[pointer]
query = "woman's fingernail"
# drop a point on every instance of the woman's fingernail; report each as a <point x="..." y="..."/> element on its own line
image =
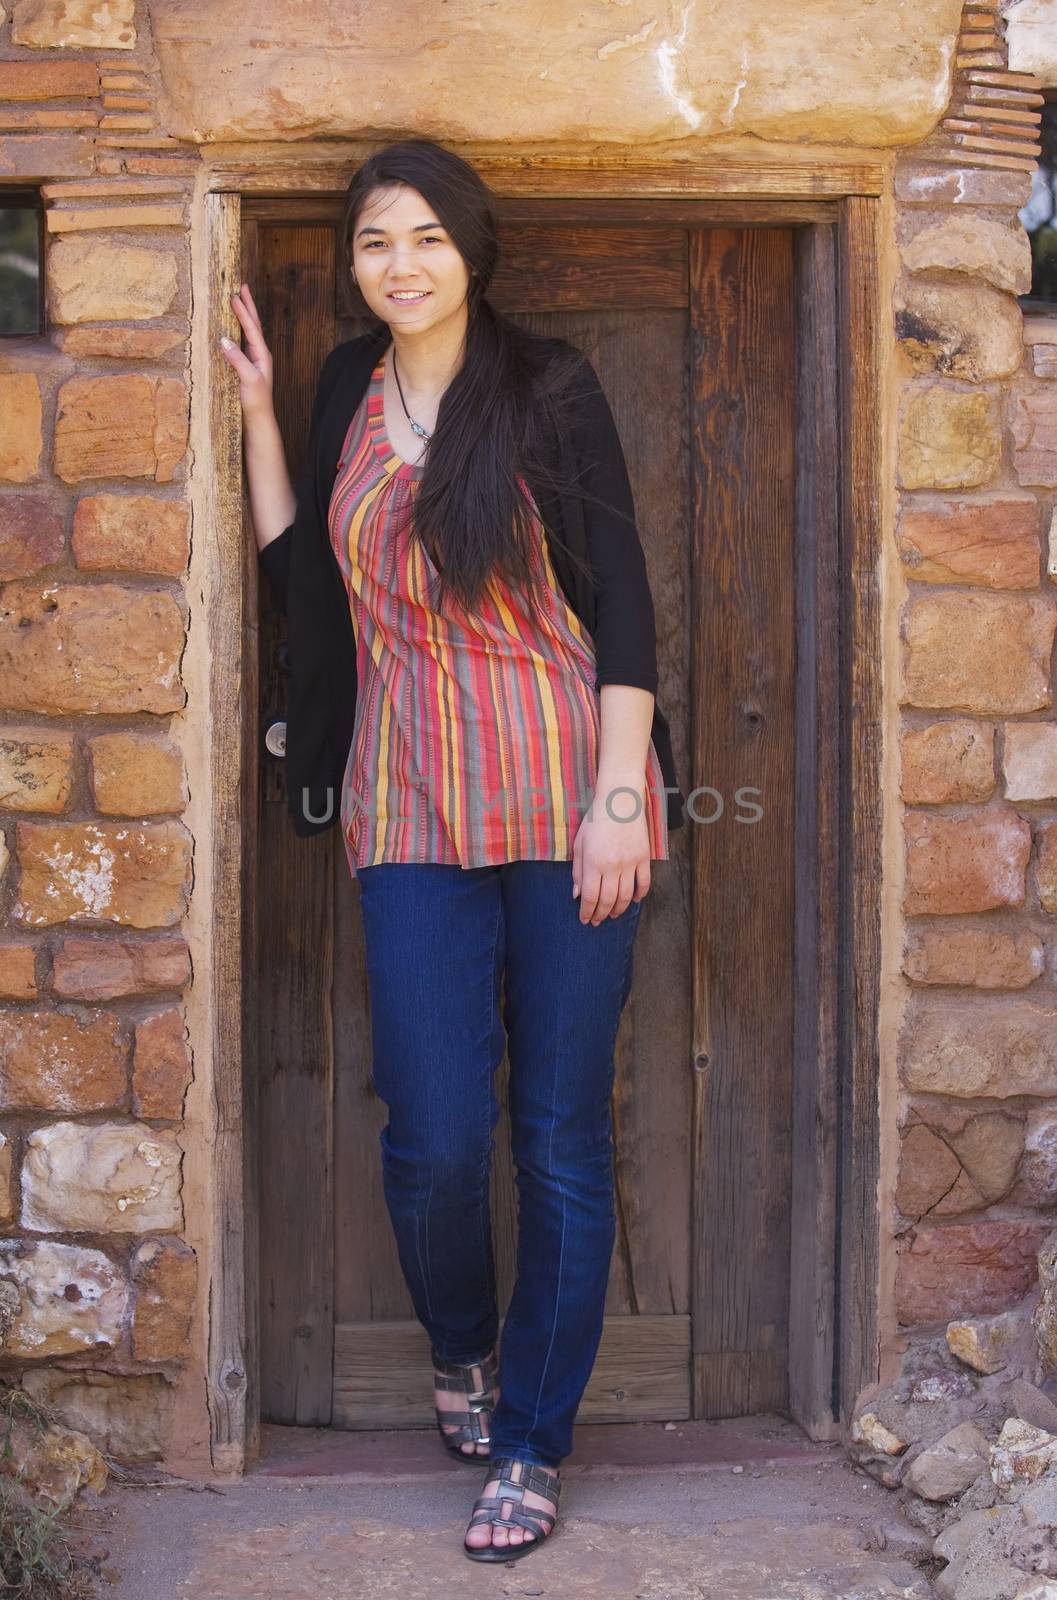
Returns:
<point x="225" y="341"/>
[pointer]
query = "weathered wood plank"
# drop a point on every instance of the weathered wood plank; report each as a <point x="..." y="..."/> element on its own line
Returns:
<point x="816" y="1056"/>
<point x="743" y="674"/>
<point x="383" y="1377"/>
<point x="818" y="175"/>
<point x="220" y="881"/>
<point x="861" y="713"/>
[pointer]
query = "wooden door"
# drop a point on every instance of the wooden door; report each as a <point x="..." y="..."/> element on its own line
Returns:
<point x="692" y="331"/>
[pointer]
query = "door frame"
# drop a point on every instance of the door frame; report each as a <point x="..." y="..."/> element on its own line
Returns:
<point x="834" y="1348"/>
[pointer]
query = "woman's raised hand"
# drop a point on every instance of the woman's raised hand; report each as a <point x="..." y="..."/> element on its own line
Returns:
<point x="254" y="364"/>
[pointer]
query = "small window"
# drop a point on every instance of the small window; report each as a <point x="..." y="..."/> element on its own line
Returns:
<point x="1039" y="216"/>
<point x="21" y="279"/>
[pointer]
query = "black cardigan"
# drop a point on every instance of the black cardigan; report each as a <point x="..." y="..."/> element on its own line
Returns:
<point x="617" y="610"/>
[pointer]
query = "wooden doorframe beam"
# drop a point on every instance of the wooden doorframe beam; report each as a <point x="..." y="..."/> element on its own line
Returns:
<point x="836" y="198"/>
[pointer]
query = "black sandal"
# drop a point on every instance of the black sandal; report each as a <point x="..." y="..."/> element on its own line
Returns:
<point x="476" y="1380"/>
<point x="506" y="1507"/>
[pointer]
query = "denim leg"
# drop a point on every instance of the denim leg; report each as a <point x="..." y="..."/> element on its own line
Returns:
<point x="434" y="945"/>
<point x="566" y="985"/>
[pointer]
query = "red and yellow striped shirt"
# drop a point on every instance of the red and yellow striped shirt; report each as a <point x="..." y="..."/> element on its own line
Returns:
<point x="476" y="735"/>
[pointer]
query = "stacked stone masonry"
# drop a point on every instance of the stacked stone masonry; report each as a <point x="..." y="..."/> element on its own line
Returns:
<point x="98" y="1287"/>
<point x="977" y="471"/>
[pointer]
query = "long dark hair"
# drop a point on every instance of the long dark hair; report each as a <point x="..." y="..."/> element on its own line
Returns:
<point x="513" y="390"/>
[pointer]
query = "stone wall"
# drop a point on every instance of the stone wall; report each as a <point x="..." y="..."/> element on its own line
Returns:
<point x="100" y="1280"/>
<point x="976" y="472"/>
<point x="106" y="1127"/>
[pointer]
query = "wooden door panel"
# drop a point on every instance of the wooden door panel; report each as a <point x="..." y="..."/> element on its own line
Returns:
<point x="338" y="1336"/>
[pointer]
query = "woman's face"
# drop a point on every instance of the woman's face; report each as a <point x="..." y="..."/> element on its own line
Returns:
<point x="408" y="269"/>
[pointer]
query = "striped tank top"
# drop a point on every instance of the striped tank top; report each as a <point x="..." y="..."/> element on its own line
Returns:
<point x="476" y="735"/>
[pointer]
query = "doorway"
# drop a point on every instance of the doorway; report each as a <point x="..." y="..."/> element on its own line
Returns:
<point x="718" y="341"/>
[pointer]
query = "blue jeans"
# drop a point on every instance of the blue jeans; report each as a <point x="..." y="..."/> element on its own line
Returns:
<point x="438" y="939"/>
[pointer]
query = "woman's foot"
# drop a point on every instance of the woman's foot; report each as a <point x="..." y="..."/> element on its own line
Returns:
<point x="455" y="1400"/>
<point x="496" y="1527"/>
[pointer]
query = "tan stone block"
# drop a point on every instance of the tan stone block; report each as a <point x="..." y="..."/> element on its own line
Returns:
<point x="1038" y="1167"/>
<point x="1030" y="760"/>
<point x="96" y="647"/>
<point x="989" y="1148"/>
<point x="122" y="344"/>
<point x="948" y="438"/>
<point x="978" y="958"/>
<point x="985" y="1343"/>
<point x="136" y="774"/>
<point x="997" y="252"/>
<point x="74" y="24"/>
<point x="165" y="1277"/>
<point x="969" y="1049"/>
<point x="129" y="1418"/>
<point x="965" y="1268"/>
<point x="1046" y="867"/>
<point x="924" y="183"/>
<point x="1029" y="35"/>
<point x="21" y="119"/>
<point x="124" y="187"/>
<point x="948" y="1467"/>
<point x="55" y="1061"/>
<point x="978" y="652"/>
<point x="959" y="864"/>
<point x="132" y="533"/>
<point x="18" y="970"/>
<point x="161" y="1065"/>
<point x="127" y="102"/>
<point x="71" y="1300"/>
<point x="133" y="121"/>
<point x="84" y="219"/>
<point x="107" y="968"/>
<point x="48" y="80"/>
<point x="947" y="762"/>
<point x="101" y="1177"/>
<point x="128" y="425"/>
<point x="36" y="769"/>
<point x="929" y="1173"/>
<point x="172" y="426"/>
<point x="628" y="75"/>
<point x="60" y="155"/>
<point x="100" y="280"/>
<point x="165" y="166"/>
<point x="960" y="330"/>
<point x="1035" y="436"/>
<point x="136" y="875"/>
<point x="21" y="426"/>
<point x="1021" y="1455"/>
<point x="123" y="80"/>
<point x="31" y="534"/>
<point x="1044" y="360"/>
<point x="989" y="541"/>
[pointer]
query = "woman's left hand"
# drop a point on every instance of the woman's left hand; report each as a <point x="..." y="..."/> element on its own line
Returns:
<point x="611" y="854"/>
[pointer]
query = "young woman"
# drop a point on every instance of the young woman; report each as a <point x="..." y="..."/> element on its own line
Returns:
<point x="472" y="679"/>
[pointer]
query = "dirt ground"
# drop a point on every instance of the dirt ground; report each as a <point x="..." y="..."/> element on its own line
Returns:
<point x="745" y="1510"/>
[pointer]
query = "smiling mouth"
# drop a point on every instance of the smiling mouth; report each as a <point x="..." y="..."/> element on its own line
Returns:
<point x="410" y="299"/>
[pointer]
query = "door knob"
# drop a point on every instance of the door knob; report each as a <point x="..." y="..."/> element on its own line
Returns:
<point x="275" y="738"/>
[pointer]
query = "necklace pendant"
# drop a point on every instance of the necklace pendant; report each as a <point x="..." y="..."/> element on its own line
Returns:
<point x="419" y="429"/>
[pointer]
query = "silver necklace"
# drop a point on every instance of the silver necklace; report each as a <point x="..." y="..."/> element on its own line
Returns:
<point x="416" y="426"/>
